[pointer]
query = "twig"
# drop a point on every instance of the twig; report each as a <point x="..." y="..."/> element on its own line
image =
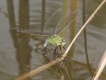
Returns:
<point x="100" y="66"/>
<point x="39" y="69"/>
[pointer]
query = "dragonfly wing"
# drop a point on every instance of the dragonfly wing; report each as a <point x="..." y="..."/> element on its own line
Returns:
<point x="49" y="27"/>
<point x="32" y="32"/>
<point x="52" y="22"/>
<point x="65" y="21"/>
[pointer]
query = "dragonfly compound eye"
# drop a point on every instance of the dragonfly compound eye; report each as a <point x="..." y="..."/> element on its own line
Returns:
<point x="45" y="43"/>
<point x="63" y="42"/>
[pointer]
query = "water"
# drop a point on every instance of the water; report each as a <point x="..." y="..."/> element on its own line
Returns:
<point x="20" y="53"/>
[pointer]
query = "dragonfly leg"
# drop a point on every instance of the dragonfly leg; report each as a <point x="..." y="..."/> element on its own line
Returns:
<point x="55" y="51"/>
<point x="60" y="47"/>
<point x="44" y="50"/>
<point x="63" y="47"/>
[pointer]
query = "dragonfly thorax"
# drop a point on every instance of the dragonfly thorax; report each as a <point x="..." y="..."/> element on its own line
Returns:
<point x="55" y="40"/>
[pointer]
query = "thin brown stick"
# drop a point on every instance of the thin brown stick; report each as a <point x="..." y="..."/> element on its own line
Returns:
<point x="39" y="69"/>
<point x="100" y="67"/>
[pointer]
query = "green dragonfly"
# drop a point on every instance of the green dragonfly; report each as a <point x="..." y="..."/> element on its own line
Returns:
<point x="60" y="26"/>
<point x="53" y="27"/>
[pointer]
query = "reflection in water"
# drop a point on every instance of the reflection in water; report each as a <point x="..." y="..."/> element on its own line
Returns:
<point x="24" y="14"/>
<point x="100" y="17"/>
<point x="61" y="69"/>
<point x="31" y="15"/>
<point x="10" y="9"/>
<point x="43" y="15"/>
<point x="85" y="39"/>
<point x="24" y="50"/>
<point x="21" y="41"/>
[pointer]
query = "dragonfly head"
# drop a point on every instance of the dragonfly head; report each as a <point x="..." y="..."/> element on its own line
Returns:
<point x="62" y="42"/>
<point x="45" y="43"/>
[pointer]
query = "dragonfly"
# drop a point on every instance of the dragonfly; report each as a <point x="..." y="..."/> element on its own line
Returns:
<point x="53" y="28"/>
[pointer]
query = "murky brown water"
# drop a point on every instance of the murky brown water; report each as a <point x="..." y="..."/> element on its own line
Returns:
<point x="20" y="53"/>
